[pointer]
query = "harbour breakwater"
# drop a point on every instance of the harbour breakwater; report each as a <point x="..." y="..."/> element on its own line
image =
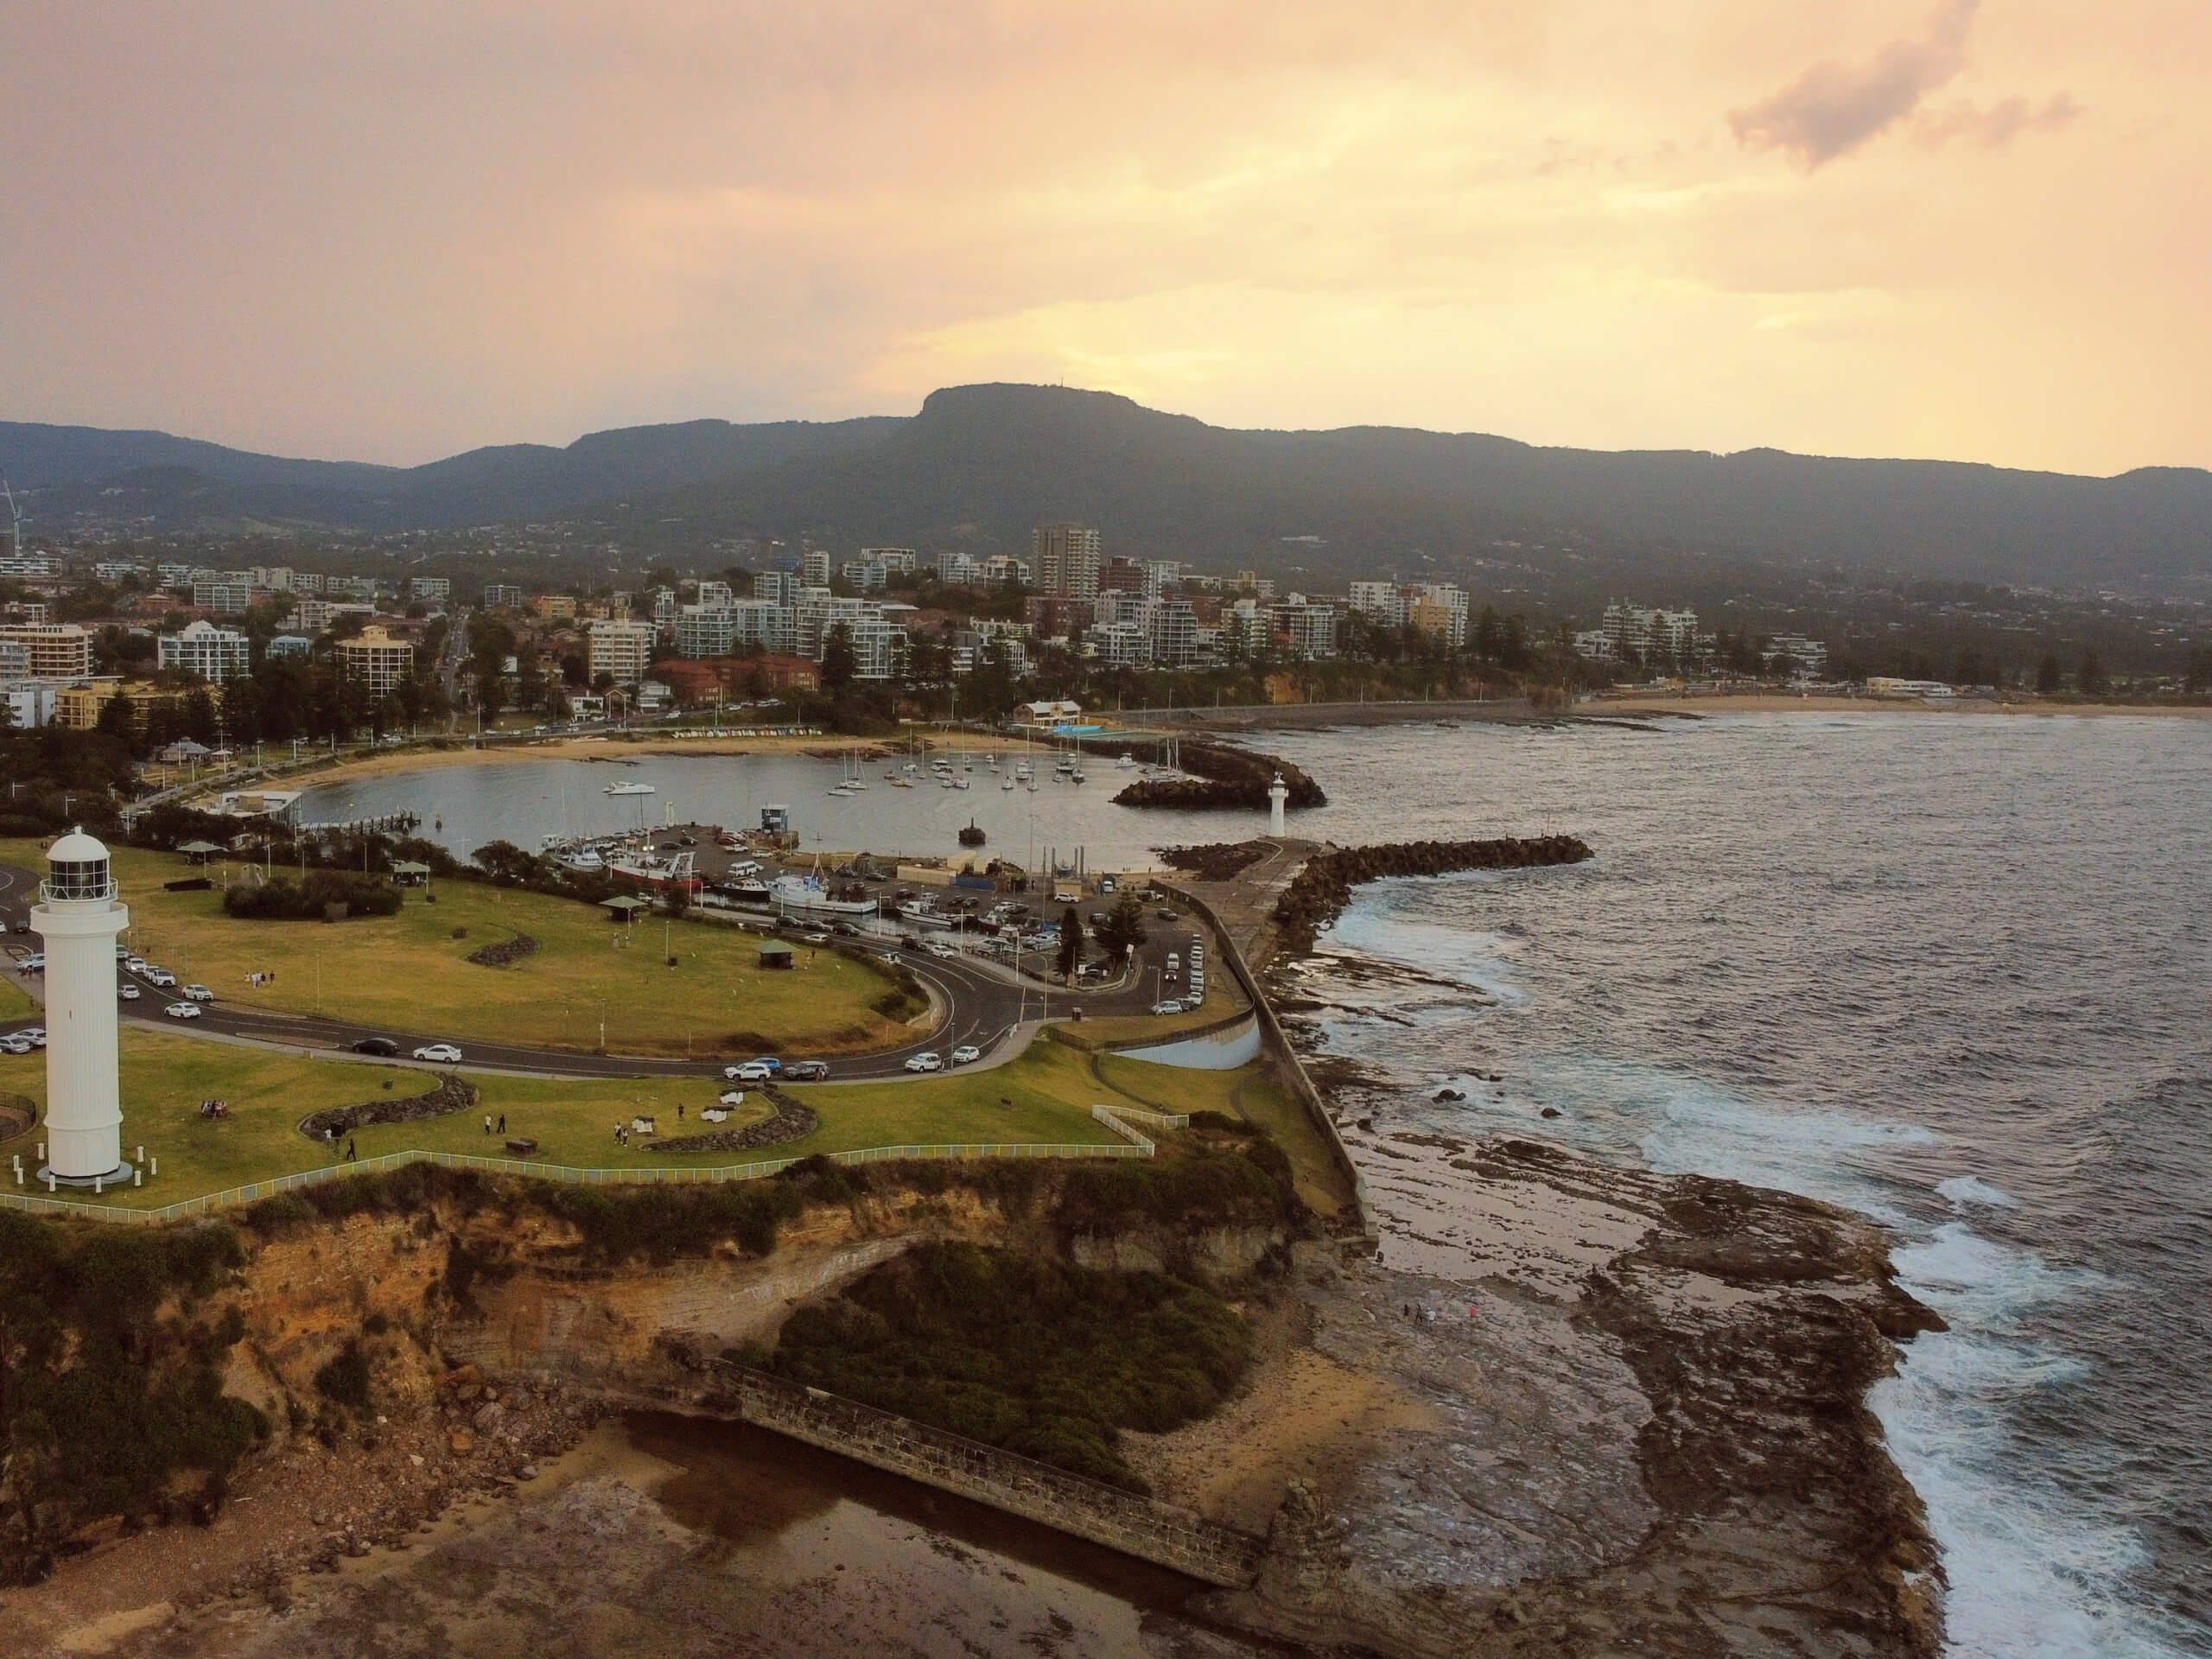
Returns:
<point x="1320" y="891"/>
<point x="1226" y="778"/>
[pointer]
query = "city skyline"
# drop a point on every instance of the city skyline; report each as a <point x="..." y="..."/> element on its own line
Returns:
<point x="1907" y="227"/>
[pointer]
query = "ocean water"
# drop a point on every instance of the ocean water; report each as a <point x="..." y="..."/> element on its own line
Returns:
<point x="1955" y="973"/>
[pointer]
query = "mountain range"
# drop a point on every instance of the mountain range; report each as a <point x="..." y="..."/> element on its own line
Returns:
<point x="978" y="466"/>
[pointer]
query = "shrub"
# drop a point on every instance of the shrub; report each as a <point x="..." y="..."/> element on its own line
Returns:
<point x="310" y="900"/>
<point x="1043" y="1359"/>
<point x="345" y="1379"/>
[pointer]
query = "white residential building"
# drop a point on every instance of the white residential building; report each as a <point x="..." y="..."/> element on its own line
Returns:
<point x="214" y="654"/>
<point x="225" y="595"/>
<point x="428" y="588"/>
<point x="1636" y="634"/>
<point x="374" y="660"/>
<point x="814" y="567"/>
<point x="1309" y="631"/>
<point x="502" y="596"/>
<point x="622" y="647"/>
<point x="714" y="593"/>
<point x="902" y="560"/>
<point x="706" y="631"/>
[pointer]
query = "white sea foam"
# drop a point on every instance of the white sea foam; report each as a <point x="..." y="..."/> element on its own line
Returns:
<point x="1964" y="1190"/>
<point x="2035" y="1574"/>
<point x="1483" y="961"/>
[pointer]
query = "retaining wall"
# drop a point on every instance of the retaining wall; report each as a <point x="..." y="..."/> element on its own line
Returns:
<point x="1141" y="1527"/>
<point x="1282" y="1059"/>
<point x="1220" y="1048"/>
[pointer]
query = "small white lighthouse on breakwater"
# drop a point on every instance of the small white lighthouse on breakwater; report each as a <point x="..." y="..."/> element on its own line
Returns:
<point x="1278" y="792"/>
<point x="79" y="914"/>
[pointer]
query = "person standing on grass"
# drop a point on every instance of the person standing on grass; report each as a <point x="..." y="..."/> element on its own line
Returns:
<point x="487" y="1122"/>
<point x="503" y="1122"/>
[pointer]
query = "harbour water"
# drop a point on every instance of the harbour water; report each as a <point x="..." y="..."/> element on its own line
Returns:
<point x="1950" y="971"/>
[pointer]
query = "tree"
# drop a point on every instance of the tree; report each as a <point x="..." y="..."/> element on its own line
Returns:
<point x="1070" y="943"/>
<point x="2090" y="682"/>
<point x="2049" y="678"/>
<point x="1123" y="930"/>
<point x="839" y="662"/>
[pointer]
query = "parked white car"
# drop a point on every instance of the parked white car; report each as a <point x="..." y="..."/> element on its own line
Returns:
<point x="160" y="976"/>
<point x="199" y="994"/>
<point x="443" y="1053"/>
<point x="32" y="965"/>
<point x="966" y="1054"/>
<point x="750" y="1072"/>
<point x="925" y="1062"/>
<point x="129" y="992"/>
<point x="1167" y="1008"/>
<point x="182" y="1010"/>
<point x="14" y="1045"/>
<point x="34" y="1035"/>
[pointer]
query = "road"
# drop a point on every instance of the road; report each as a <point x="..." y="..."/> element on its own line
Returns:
<point x="976" y="1004"/>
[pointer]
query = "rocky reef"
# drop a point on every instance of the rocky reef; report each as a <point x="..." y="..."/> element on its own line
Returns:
<point x="1226" y="778"/>
<point x="1323" y="888"/>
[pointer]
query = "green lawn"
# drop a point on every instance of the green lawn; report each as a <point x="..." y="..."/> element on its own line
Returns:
<point x="408" y="972"/>
<point x="14" y="1002"/>
<point x="1043" y="1097"/>
<point x="1247" y="1092"/>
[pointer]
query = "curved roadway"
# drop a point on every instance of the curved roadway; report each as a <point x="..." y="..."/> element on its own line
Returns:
<point x="974" y="1005"/>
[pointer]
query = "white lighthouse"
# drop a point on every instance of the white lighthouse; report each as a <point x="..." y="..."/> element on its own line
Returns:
<point x="78" y="915"/>
<point x="1277" y="794"/>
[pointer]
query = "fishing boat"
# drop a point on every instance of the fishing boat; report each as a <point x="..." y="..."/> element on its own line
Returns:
<point x="582" y="861"/>
<point x="651" y="869"/>
<point x="924" y="913"/>
<point x="1127" y="762"/>
<point x="1006" y="783"/>
<point x="960" y="783"/>
<point x="628" y="789"/>
<point x="1075" y="776"/>
<point x="806" y="895"/>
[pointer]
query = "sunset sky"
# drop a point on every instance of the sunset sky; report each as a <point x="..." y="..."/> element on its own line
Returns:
<point x="391" y="230"/>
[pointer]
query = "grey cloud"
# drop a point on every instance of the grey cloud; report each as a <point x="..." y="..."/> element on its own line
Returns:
<point x="1998" y="125"/>
<point x="1834" y="107"/>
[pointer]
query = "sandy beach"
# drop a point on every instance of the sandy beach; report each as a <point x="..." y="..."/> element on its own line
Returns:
<point x="622" y="748"/>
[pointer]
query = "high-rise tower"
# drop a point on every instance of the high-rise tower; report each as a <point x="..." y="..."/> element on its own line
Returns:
<point x="79" y="914"/>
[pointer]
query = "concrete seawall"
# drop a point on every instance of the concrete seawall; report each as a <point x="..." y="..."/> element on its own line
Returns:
<point x="1141" y="1527"/>
<point x="1274" y="1047"/>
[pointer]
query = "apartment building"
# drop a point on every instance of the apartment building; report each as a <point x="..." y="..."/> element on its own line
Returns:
<point x="902" y="560"/>
<point x="814" y="567"/>
<point x="216" y="655"/>
<point x="314" y="616"/>
<point x="622" y="647"/>
<point x="227" y="594"/>
<point x="436" y="589"/>
<point x="1306" y="631"/>
<point x="706" y="631"/>
<point x="376" y="660"/>
<point x="54" y="651"/>
<point x="1065" y="558"/>
<point x="79" y="708"/>
<point x="502" y="596"/>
